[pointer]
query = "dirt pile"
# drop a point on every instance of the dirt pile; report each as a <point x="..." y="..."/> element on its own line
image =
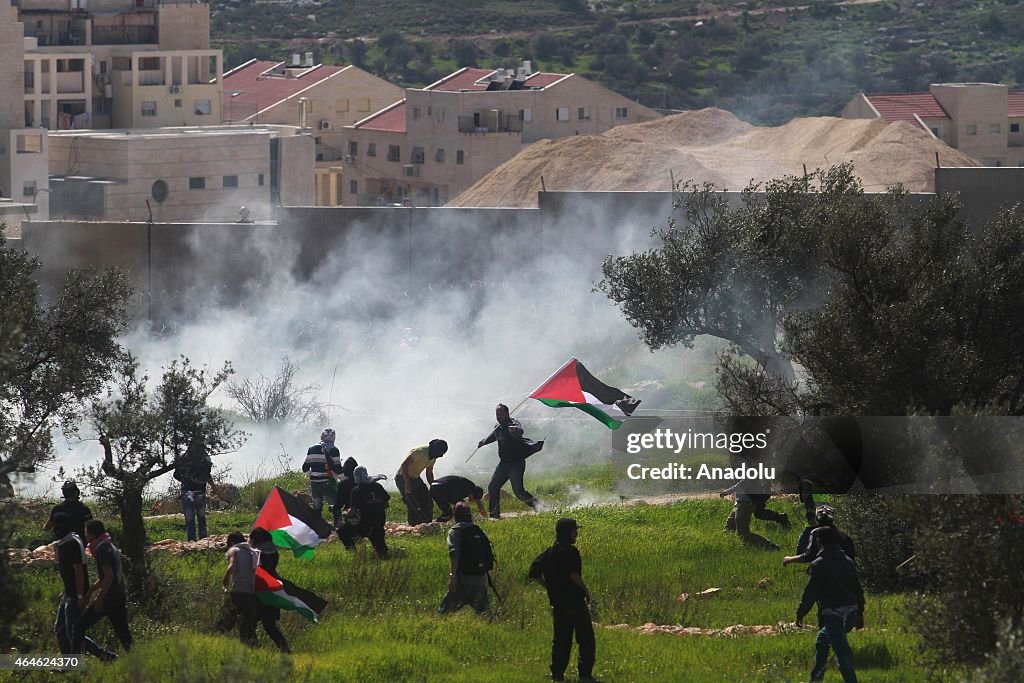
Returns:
<point x="726" y="632"/>
<point x="712" y="145"/>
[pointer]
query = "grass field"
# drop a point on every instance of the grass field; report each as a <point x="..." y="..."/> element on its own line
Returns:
<point x="381" y="623"/>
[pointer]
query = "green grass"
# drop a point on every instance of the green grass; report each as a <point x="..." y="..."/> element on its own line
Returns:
<point x="381" y="625"/>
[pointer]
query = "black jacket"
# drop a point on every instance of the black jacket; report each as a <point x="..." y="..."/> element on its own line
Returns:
<point x="512" y="445"/>
<point x="833" y="582"/>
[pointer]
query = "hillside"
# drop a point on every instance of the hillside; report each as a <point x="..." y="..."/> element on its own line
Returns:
<point x="714" y="146"/>
<point x="766" y="60"/>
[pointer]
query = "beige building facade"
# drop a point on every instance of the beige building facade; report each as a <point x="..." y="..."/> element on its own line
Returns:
<point x="184" y="174"/>
<point x="119" y="63"/>
<point x="439" y="140"/>
<point x="982" y="120"/>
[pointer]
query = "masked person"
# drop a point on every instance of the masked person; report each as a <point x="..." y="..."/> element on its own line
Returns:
<point x="110" y="591"/>
<point x="194" y="471"/>
<point x="74" y="574"/>
<point x="367" y="512"/>
<point x="809" y="545"/>
<point x="419" y="508"/>
<point x="322" y="464"/>
<point x="513" y="450"/>
<point x="76" y="511"/>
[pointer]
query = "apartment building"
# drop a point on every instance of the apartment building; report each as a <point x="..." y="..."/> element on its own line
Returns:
<point x="187" y="174"/>
<point x="439" y="140"/>
<point x="982" y="120"/>
<point x="119" y="64"/>
<point x="302" y="93"/>
<point x="23" y="151"/>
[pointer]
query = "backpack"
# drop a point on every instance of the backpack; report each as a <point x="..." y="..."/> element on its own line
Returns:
<point x="476" y="556"/>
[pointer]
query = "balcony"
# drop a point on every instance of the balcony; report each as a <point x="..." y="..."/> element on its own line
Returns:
<point x="492" y="121"/>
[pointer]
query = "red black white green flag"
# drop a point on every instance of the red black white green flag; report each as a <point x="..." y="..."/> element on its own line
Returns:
<point x="573" y="386"/>
<point x="284" y="594"/>
<point x="292" y="524"/>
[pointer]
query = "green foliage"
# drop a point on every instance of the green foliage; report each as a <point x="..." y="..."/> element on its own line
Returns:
<point x="884" y="538"/>
<point x="381" y="625"/>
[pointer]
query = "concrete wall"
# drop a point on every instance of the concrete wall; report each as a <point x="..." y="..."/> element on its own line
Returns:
<point x="979" y="118"/>
<point x="184" y="26"/>
<point x="23" y="166"/>
<point x="12" y="73"/>
<point x="984" y="191"/>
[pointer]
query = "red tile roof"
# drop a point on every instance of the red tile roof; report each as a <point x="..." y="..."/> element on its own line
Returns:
<point x="247" y="88"/>
<point x="542" y="80"/>
<point x="902" y="107"/>
<point x="1015" y="103"/>
<point x="388" y="120"/>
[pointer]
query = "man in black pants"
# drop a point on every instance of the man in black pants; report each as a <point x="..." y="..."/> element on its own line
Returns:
<point x="109" y="589"/>
<point x="366" y="514"/>
<point x="242" y="606"/>
<point x="559" y="570"/>
<point x="513" y="450"/>
<point x="75" y="575"/>
<point x="260" y="540"/>
<point x="447" y="491"/>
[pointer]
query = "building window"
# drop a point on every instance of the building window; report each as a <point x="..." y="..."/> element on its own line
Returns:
<point x="363" y="104"/>
<point x="353" y="187"/>
<point x="30" y="144"/>
<point x="526" y="115"/>
<point x="621" y="113"/>
<point x="371" y="149"/>
<point x="562" y="114"/>
<point x="971" y="129"/>
<point x="197" y="183"/>
<point x="341" y="105"/>
<point x="583" y="114"/>
<point x="415" y="113"/>
<point x="179" y="103"/>
<point x="28" y="188"/>
<point x="937" y="132"/>
<point x="1014" y="127"/>
<point x="459" y="157"/>
<point x="230" y="181"/>
<point x="259" y="180"/>
<point x="149" y="108"/>
<point x="394" y="153"/>
<point x="203" y="107"/>
<point x="995" y="128"/>
<point x="418" y="155"/>
<point x="353" y="147"/>
<point x="149" y="64"/>
<point x="439" y="155"/>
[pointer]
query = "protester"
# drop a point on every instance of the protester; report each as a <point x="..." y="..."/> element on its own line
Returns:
<point x="77" y="512"/>
<point x="446" y="491"/>
<point x="74" y="574"/>
<point x="835" y="587"/>
<point x="808" y="545"/>
<point x="751" y="497"/>
<point x="268" y="557"/>
<point x="194" y="471"/>
<point x="110" y="591"/>
<point x="513" y="450"/>
<point x="419" y="508"/>
<point x="345" y="486"/>
<point x="239" y="582"/>
<point x="367" y="512"/>
<point x="470" y="556"/>
<point x="322" y="463"/>
<point x="559" y="569"/>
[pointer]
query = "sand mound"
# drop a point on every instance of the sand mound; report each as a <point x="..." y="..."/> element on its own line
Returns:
<point x="714" y="146"/>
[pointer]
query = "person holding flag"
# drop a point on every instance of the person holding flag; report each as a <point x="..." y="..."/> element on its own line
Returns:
<point x="513" y="450"/>
<point x="323" y="464"/>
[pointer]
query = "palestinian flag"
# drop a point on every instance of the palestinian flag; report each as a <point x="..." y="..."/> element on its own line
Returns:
<point x="292" y="524"/>
<point x="574" y="387"/>
<point x="284" y="594"/>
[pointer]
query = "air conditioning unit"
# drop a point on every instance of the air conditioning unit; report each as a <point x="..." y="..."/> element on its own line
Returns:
<point x="325" y="125"/>
<point x="411" y="170"/>
<point x="349" y="159"/>
<point x="175" y="89"/>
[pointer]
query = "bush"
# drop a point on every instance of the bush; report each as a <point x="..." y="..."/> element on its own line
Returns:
<point x="883" y="537"/>
<point x="1006" y="664"/>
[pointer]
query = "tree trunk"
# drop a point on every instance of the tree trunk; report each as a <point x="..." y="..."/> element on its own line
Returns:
<point x="133" y="539"/>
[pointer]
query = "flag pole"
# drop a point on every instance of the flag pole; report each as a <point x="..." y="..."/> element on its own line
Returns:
<point x="520" y="404"/>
